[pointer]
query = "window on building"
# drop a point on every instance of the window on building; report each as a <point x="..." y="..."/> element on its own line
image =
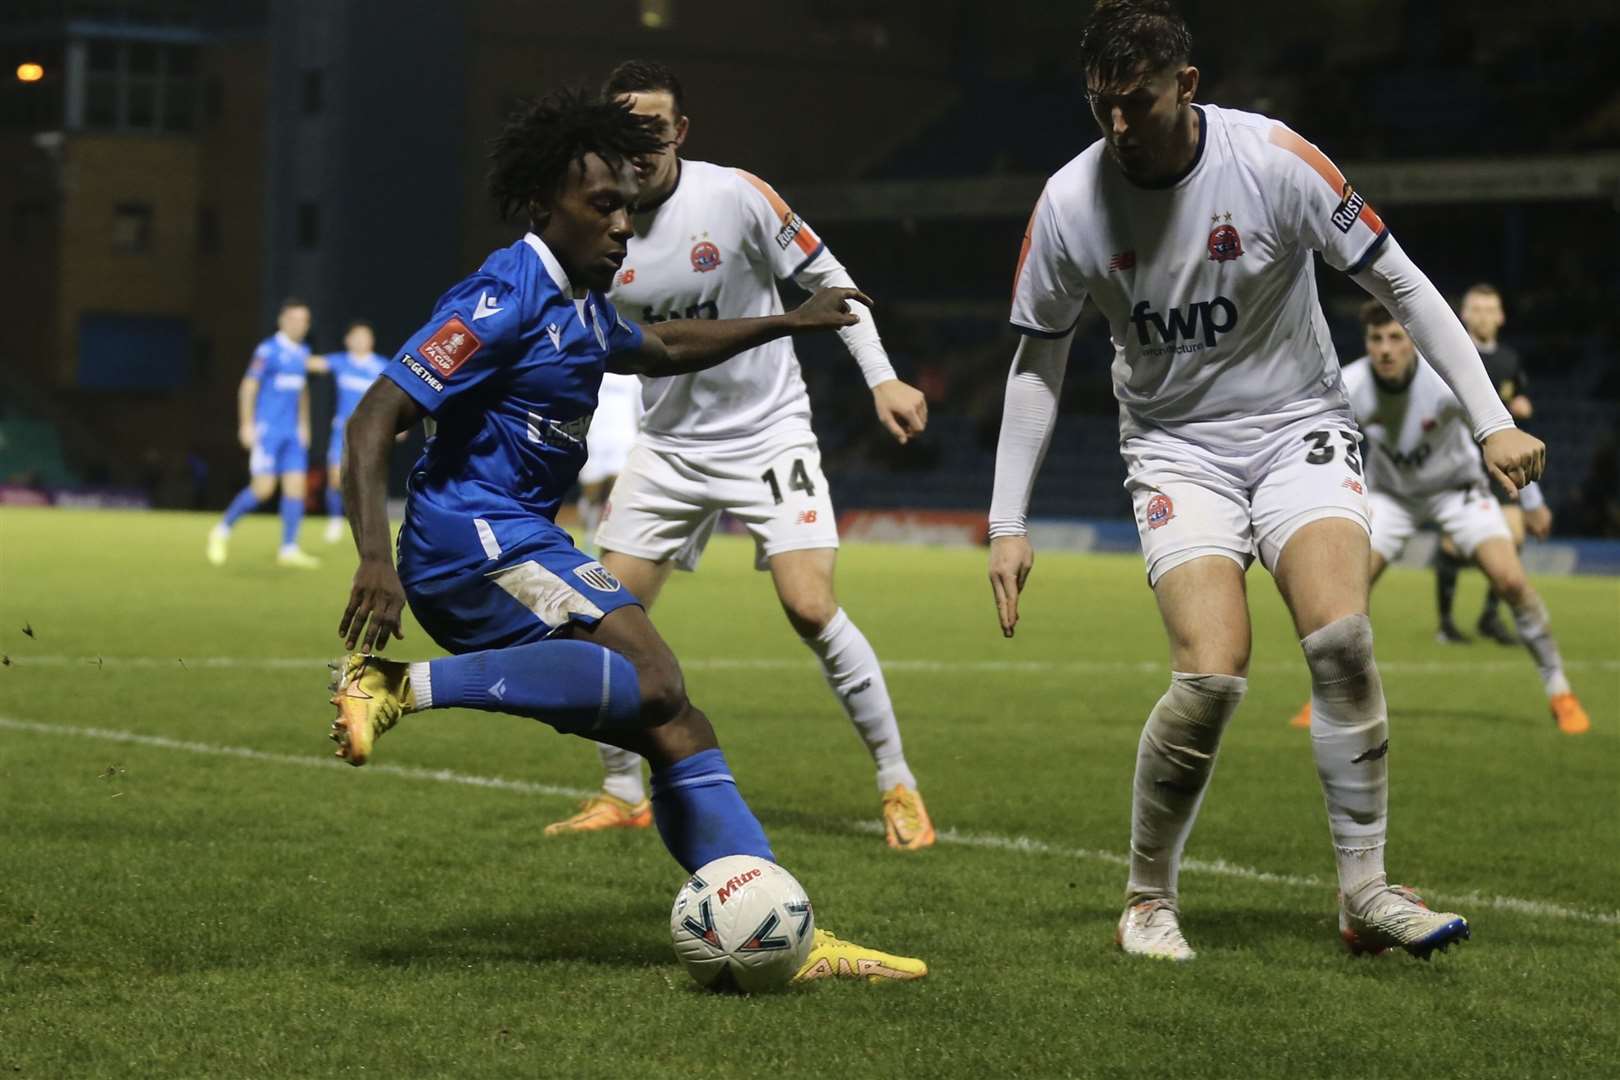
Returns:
<point x="140" y="86"/>
<point x="132" y="228"/>
<point x="309" y="226"/>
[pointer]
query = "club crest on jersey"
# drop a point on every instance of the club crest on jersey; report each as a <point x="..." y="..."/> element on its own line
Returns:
<point x="450" y="346"/>
<point x="1160" y="511"/>
<point x="598" y="577"/>
<point x="1224" y="244"/>
<point x="705" y="257"/>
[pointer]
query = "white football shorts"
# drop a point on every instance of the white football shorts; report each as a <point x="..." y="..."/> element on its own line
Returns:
<point x="1193" y="500"/>
<point x="1469" y="516"/>
<point x="665" y="504"/>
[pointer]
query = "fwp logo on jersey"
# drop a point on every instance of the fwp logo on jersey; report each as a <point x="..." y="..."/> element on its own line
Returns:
<point x="450" y="346"/>
<point x="1185" y="329"/>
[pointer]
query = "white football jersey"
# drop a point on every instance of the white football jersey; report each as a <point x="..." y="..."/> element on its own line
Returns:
<point x="714" y="249"/>
<point x="1419" y="441"/>
<point x="1206" y="281"/>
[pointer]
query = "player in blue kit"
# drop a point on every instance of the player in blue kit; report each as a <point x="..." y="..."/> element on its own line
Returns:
<point x="506" y="373"/>
<point x="273" y="426"/>
<point x="353" y="371"/>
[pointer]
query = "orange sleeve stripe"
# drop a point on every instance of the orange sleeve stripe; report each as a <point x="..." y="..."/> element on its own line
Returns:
<point x="1023" y="250"/>
<point x="1329" y="172"/>
<point x="806" y="238"/>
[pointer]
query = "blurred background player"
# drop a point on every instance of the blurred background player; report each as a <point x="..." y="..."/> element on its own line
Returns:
<point x="508" y="368"/>
<point x="353" y="371"/>
<point x="1423" y="468"/>
<point x="613" y="430"/>
<point x="273" y="426"/>
<point x="1193" y="229"/>
<point x="1481" y="312"/>
<point x="711" y="243"/>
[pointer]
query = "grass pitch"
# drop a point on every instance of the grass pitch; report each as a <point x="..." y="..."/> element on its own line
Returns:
<point x="190" y="886"/>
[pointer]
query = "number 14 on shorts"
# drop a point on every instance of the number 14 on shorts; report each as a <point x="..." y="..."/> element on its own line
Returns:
<point x="798" y="480"/>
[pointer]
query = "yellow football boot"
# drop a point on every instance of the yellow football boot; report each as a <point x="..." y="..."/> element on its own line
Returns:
<point x="905" y="819"/>
<point x="1572" y="719"/>
<point x="835" y="958"/>
<point x="371" y="695"/>
<point x="604" y="811"/>
<point x="1302" y="719"/>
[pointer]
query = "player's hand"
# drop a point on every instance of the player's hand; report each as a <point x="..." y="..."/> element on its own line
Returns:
<point x="303" y="437"/>
<point x="1514" y="458"/>
<point x="1538" y="522"/>
<point x="828" y="309"/>
<point x="376" y="596"/>
<point x="245" y="435"/>
<point x="902" y="409"/>
<point x="1011" y="558"/>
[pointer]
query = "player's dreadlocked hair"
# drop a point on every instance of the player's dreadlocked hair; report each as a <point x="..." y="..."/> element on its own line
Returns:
<point x="1124" y="36"/>
<point x="531" y="157"/>
<point x="644" y="76"/>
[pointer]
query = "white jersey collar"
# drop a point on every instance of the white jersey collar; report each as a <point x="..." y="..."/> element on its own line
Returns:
<point x="553" y="267"/>
<point x="284" y="341"/>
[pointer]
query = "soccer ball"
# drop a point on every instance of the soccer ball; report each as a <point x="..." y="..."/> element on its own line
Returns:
<point x="743" y="924"/>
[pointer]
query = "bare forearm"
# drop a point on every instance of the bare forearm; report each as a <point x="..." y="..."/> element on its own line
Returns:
<point x="367" y="444"/>
<point x="695" y="344"/>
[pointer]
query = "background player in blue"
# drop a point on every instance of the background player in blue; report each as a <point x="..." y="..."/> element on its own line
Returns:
<point x="507" y="373"/>
<point x="273" y="425"/>
<point x="353" y="371"/>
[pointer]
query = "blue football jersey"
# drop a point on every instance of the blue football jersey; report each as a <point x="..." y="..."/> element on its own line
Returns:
<point x="281" y="366"/>
<point x="353" y="376"/>
<point x="509" y="368"/>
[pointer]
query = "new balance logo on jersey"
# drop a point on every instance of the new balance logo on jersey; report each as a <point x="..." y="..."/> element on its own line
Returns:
<point x="485" y="309"/>
<point x="1349" y="208"/>
<point x="1197" y="324"/>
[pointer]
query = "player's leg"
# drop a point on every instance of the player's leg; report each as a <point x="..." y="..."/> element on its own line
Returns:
<point x="261" y="485"/>
<point x="804" y="585"/>
<point x="1312" y="526"/>
<point x="592" y="495"/>
<point x="1490" y="617"/>
<point x="293" y="487"/>
<point x="1192" y="515"/>
<point x="1499" y="559"/>
<point x="335" y="529"/>
<point x="653" y="516"/>
<point x="1448" y="564"/>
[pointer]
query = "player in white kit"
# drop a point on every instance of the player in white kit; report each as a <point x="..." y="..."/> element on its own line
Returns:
<point x="613" y="432"/>
<point x="711" y="242"/>
<point x="1423" y="468"/>
<point x="1193" y="229"/>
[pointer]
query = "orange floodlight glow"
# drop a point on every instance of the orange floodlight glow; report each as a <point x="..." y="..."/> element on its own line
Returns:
<point x="30" y="72"/>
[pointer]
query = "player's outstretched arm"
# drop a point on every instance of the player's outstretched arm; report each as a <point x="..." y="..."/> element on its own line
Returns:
<point x="681" y="346"/>
<point x="1513" y="457"/>
<point x="1027" y="420"/>
<point x="376" y="599"/>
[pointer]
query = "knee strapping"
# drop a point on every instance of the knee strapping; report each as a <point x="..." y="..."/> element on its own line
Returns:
<point x="1185" y="727"/>
<point x="1340" y="657"/>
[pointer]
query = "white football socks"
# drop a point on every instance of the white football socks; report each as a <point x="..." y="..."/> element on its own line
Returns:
<point x="1350" y="739"/>
<point x="851" y="669"/>
<point x="621" y="773"/>
<point x="1531" y="619"/>
<point x="1174" y="760"/>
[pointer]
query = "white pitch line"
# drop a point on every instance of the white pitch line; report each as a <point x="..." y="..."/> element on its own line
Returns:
<point x="1024" y="845"/>
<point x="285" y="663"/>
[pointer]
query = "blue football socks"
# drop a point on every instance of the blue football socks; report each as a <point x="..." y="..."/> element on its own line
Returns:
<point x="245" y="500"/>
<point x="701" y="814"/>
<point x="292" y="516"/>
<point x="574" y="686"/>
